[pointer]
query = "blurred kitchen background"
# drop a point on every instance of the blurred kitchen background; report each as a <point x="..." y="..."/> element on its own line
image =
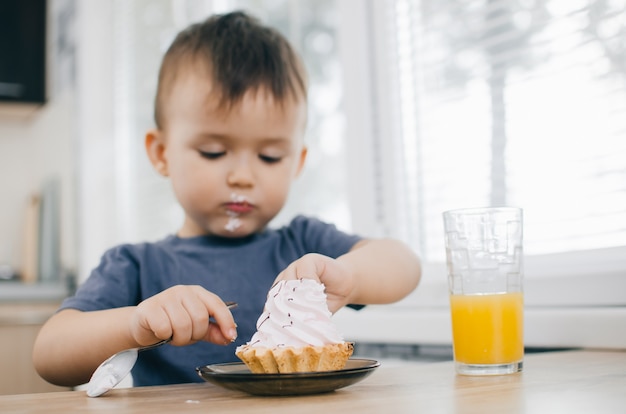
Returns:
<point x="416" y="107"/>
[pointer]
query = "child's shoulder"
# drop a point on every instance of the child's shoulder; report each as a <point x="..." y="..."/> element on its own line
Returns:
<point x="305" y="224"/>
<point x="318" y="235"/>
<point x="302" y="222"/>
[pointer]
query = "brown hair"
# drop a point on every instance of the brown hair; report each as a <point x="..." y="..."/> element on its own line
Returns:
<point x="240" y="54"/>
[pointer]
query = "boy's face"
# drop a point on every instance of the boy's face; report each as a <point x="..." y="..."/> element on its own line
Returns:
<point x="231" y="170"/>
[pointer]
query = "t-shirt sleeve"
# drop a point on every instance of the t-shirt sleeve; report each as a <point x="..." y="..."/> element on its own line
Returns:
<point x="112" y="284"/>
<point x="324" y="238"/>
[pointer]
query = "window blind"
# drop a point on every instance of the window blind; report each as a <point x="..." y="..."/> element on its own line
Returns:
<point x="510" y="103"/>
<point x="427" y="104"/>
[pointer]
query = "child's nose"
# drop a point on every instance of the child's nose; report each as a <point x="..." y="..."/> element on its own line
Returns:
<point x="241" y="174"/>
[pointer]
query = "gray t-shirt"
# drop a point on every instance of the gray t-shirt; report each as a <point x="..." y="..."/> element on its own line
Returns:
<point x="240" y="270"/>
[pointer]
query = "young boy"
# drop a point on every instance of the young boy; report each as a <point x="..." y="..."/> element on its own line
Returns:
<point x="230" y="119"/>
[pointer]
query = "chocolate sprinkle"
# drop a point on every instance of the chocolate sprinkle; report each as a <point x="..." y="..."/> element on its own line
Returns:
<point x="262" y="322"/>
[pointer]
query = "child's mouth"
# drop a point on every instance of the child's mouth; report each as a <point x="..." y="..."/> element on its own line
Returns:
<point x="239" y="207"/>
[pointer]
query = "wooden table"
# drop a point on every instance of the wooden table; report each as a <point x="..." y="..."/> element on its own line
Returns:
<point x="555" y="382"/>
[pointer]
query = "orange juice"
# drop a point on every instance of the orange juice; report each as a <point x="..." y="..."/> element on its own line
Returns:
<point x="488" y="329"/>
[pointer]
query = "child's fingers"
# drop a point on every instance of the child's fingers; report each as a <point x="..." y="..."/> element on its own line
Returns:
<point x="198" y="319"/>
<point x="307" y="267"/>
<point x="182" y="313"/>
<point x="183" y="323"/>
<point x="150" y="321"/>
<point x="226" y="323"/>
<point x="216" y="336"/>
<point x="224" y="320"/>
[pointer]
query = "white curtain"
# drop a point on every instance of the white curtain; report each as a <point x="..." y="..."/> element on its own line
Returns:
<point x="466" y="103"/>
<point x="501" y="102"/>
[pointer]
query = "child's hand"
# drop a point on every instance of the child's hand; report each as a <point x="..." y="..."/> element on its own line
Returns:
<point x="334" y="274"/>
<point x="182" y="313"/>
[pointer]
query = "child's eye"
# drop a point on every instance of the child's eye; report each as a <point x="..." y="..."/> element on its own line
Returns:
<point x="212" y="155"/>
<point x="269" y="159"/>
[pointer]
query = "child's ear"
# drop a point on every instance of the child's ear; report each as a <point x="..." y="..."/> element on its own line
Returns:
<point x="301" y="161"/>
<point x="155" y="148"/>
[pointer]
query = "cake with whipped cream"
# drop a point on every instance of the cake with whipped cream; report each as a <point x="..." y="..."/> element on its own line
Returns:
<point x="295" y="332"/>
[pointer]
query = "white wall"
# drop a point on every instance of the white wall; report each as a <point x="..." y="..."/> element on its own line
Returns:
<point x="32" y="150"/>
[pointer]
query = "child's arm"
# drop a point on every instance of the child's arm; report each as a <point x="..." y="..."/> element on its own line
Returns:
<point x="385" y="271"/>
<point x="72" y="344"/>
<point x="373" y="271"/>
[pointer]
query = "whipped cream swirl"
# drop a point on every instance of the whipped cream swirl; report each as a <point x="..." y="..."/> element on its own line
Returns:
<point x="296" y="314"/>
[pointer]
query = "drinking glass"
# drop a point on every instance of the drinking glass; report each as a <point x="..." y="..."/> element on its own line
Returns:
<point x="484" y="258"/>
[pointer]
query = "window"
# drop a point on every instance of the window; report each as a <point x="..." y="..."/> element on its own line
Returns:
<point x="521" y="103"/>
<point x="504" y="102"/>
<point x="496" y="102"/>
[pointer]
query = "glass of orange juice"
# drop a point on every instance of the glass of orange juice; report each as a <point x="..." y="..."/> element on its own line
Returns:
<point x="484" y="257"/>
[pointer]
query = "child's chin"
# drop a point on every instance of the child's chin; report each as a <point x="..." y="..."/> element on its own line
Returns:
<point x="238" y="231"/>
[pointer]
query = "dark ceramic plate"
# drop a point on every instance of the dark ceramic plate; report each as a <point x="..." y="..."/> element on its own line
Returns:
<point x="236" y="376"/>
